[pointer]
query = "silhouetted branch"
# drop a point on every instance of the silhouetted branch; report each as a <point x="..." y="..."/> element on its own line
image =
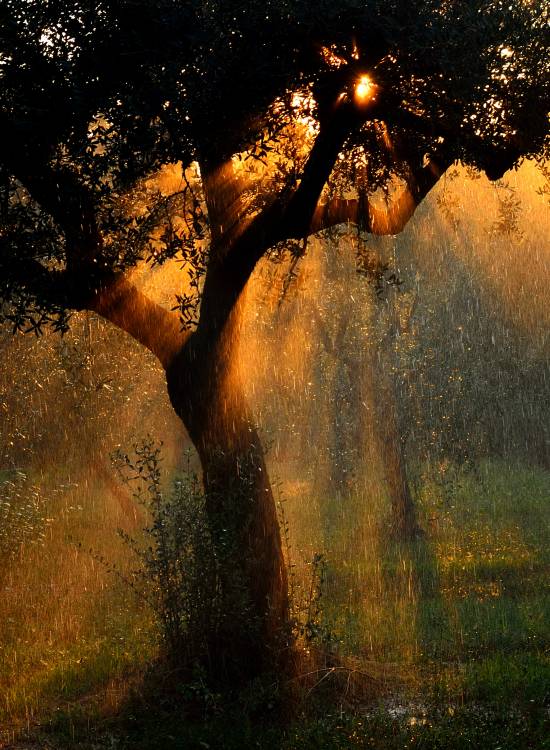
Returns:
<point x="117" y="300"/>
<point x="373" y="219"/>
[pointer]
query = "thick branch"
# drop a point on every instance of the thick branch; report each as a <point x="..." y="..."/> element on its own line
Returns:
<point x="153" y="326"/>
<point x="393" y="218"/>
<point x="328" y="144"/>
<point x="375" y="220"/>
<point x="72" y="207"/>
<point x="47" y="286"/>
<point x="118" y="301"/>
<point x="230" y="269"/>
<point x="244" y="244"/>
<point x="223" y="190"/>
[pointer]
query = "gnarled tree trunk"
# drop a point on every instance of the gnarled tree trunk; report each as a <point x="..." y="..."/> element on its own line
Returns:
<point x="204" y="385"/>
<point x="205" y="390"/>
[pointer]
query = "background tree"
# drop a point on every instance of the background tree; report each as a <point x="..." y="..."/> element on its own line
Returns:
<point x="97" y="96"/>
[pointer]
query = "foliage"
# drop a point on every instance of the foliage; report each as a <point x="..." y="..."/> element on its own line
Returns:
<point x="58" y="393"/>
<point x="98" y="97"/>
<point x="181" y="574"/>
<point x="178" y="572"/>
<point x="470" y="383"/>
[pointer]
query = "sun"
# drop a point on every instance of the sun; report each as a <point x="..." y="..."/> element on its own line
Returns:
<point x="364" y="89"/>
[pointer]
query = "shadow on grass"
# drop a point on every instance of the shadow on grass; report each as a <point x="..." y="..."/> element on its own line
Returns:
<point x="412" y="581"/>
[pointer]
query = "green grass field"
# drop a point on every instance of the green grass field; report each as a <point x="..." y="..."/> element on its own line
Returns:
<point x="442" y="642"/>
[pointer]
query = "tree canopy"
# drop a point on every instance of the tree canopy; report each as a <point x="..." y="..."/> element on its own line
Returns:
<point x="97" y="96"/>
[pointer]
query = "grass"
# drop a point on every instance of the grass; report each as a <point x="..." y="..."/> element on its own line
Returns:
<point x="473" y="590"/>
<point x="69" y="628"/>
<point x="447" y="729"/>
<point x="455" y="626"/>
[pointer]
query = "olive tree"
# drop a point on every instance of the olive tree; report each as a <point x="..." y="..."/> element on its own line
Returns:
<point x="331" y="103"/>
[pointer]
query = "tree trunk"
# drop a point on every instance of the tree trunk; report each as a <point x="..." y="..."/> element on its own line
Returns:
<point x="390" y="431"/>
<point x="206" y="391"/>
<point x="404" y="521"/>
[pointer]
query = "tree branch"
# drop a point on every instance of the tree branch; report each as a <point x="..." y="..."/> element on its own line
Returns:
<point x="117" y="300"/>
<point x="230" y="266"/>
<point x="237" y="246"/>
<point x="82" y="285"/>
<point x="300" y="209"/>
<point x="375" y="220"/>
<point x="156" y="328"/>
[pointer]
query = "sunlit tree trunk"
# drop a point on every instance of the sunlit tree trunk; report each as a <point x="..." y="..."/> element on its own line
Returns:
<point x="205" y="388"/>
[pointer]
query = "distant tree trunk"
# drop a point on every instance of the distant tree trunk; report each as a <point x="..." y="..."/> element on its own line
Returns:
<point x="344" y="418"/>
<point x="404" y="520"/>
<point x="391" y="433"/>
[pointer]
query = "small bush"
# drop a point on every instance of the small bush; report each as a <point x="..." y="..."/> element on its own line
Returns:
<point x="189" y="574"/>
<point x="178" y="573"/>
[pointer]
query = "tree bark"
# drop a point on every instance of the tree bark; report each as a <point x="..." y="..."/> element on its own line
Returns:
<point x="206" y="392"/>
<point x="391" y="434"/>
<point x="202" y="369"/>
<point x="403" y="513"/>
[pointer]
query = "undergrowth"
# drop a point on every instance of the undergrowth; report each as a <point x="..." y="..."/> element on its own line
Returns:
<point x="465" y="604"/>
<point x="183" y="566"/>
<point x="177" y="571"/>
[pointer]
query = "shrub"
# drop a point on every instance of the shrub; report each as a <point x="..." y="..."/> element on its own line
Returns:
<point x="189" y="573"/>
<point x="178" y="571"/>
